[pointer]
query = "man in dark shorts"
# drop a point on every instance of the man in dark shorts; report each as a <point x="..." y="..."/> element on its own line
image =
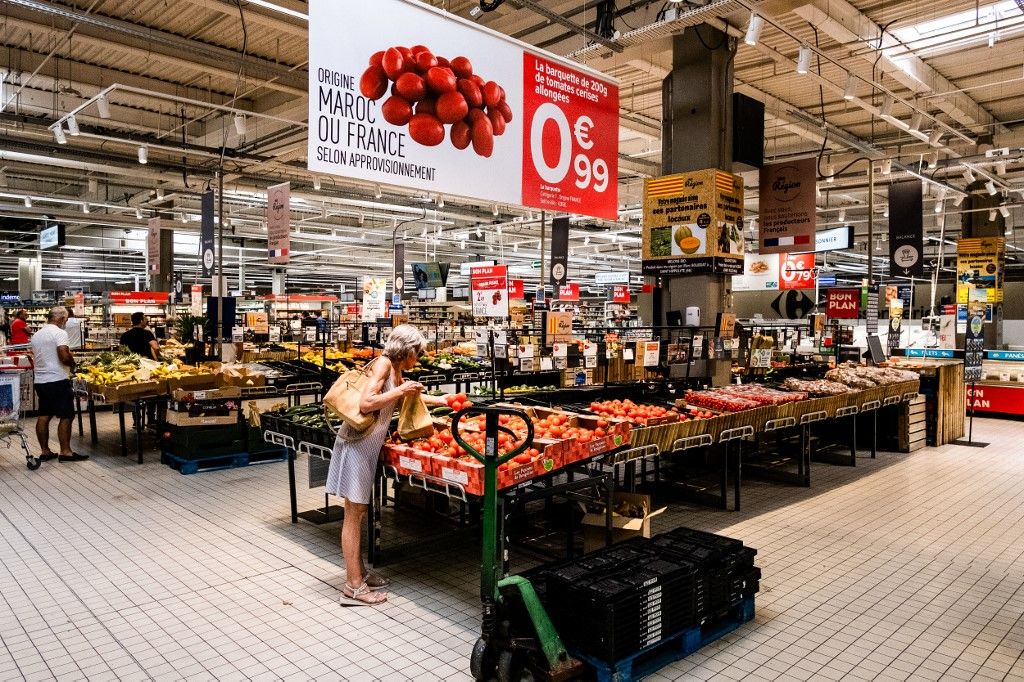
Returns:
<point x="51" y="356"/>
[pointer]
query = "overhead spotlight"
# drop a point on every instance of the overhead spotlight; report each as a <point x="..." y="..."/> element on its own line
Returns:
<point x="991" y="187"/>
<point x="969" y="176"/>
<point x="159" y="194"/>
<point x="182" y="218"/>
<point x="138" y="213"/>
<point x="851" y="85"/>
<point x="586" y="240"/>
<point x="754" y="29"/>
<point x="621" y="247"/>
<point x="73" y="125"/>
<point x="241" y="126"/>
<point x="376" y="192"/>
<point x="462" y="245"/>
<point x="842" y="215"/>
<point x="933" y="160"/>
<point x="1000" y="168"/>
<point x="1004" y="211"/>
<point x="362" y="219"/>
<point x="494" y="210"/>
<point x="886" y="166"/>
<point x="885" y="211"/>
<point x="424" y="233"/>
<point x="479" y="232"/>
<point x="440" y="201"/>
<point x="938" y="206"/>
<point x="942" y="194"/>
<point x="362" y="236"/>
<point x="143" y="154"/>
<point x="935" y="137"/>
<point x="992" y="215"/>
<point x="885" y="111"/>
<point x="830" y="173"/>
<point x="103" y="106"/>
<point x="515" y="248"/>
<point x="316" y="183"/>
<point x="85" y="208"/>
<point x="958" y="199"/>
<point x="28" y="202"/>
<point x="498" y="230"/>
<point x="803" y="62"/>
<point x="992" y="39"/>
<point x="93" y="185"/>
<point x="915" y="121"/>
<point x="58" y="134"/>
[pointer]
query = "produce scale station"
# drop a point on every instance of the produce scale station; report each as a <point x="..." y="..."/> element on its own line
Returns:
<point x="694" y="289"/>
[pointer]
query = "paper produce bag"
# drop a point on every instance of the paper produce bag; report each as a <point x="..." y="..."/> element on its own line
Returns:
<point x="414" y="419"/>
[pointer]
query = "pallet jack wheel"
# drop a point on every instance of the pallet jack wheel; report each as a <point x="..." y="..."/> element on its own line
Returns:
<point x="32" y="463"/>
<point x="481" y="661"/>
<point x="510" y="667"/>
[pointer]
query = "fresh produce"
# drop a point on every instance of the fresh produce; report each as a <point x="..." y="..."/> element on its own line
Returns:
<point x="719" y="401"/>
<point x="458" y="401"/>
<point x="815" y="386"/>
<point x="109" y="367"/>
<point x="762" y="394"/>
<point x="634" y="413"/>
<point x="444" y="92"/>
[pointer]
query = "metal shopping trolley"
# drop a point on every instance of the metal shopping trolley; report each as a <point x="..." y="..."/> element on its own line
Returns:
<point x="15" y="400"/>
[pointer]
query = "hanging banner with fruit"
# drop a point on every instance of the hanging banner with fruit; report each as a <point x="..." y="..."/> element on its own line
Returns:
<point x="416" y="97"/>
<point x="489" y="285"/>
<point x="979" y="269"/>
<point x="693" y="224"/>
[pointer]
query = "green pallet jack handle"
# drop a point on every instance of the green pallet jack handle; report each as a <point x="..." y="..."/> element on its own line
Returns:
<point x="490" y="584"/>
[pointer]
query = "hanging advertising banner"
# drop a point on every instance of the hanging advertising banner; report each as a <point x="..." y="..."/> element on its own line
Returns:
<point x="895" y="324"/>
<point x="196" y="300"/>
<point x="974" y="342"/>
<point x="796" y="271"/>
<point x="569" y="292"/>
<point x="79" y="303"/>
<point x="279" y="223"/>
<point x="506" y="122"/>
<point x="693" y="224"/>
<point x="153" y="246"/>
<point x="206" y="256"/>
<point x="843" y="304"/>
<point x="787" y="212"/>
<point x="375" y="300"/>
<point x="489" y="287"/>
<point x="620" y="293"/>
<point x="612" y="277"/>
<point x="979" y="269"/>
<point x="399" y="270"/>
<point x="906" y="229"/>
<point x="516" y="289"/>
<point x="760" y="273"/>
<point x="559" y="328"/>
<point x="559" y="251"/>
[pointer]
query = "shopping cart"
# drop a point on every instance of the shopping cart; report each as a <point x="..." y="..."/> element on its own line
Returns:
<point x="15" y="400"/>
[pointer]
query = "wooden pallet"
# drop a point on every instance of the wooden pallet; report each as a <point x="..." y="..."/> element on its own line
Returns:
<point x="671" y="649"/>
<point x="221" y="461"/>
<point x="913" y="425"/>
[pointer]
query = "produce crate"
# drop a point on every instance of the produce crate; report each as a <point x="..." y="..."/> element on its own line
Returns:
<point x="192" y="382"/>
<point x="130" y="390"/>
<point x="913" y="428"/>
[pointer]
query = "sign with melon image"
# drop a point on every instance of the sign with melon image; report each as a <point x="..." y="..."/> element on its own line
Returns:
<point x="693" y="224"/>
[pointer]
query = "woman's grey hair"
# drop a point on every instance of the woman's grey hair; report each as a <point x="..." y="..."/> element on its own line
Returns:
<point x="58" y="313"/>
<point x="404" y="340"/>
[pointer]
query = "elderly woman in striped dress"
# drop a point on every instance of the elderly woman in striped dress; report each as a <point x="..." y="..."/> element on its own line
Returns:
<point x="354" y="459"/>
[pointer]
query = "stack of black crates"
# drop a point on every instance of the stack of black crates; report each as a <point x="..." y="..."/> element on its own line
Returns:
<point x="614" y="602"/>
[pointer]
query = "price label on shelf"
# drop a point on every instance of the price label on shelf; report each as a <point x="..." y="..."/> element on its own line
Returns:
<point x="559" y="350"/>
<point x="526" y="364"/>
<point x="237" y="334"/>
<point x="546" y="364"/>
<point x="275" y="334"/>
<point x="570" y="139"/>
<point x="591" y="361"/>
<point x="761" y="358"/>
<point x="310" y="333"/>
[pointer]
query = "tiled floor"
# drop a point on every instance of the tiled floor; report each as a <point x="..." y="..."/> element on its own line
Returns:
<point x="908" y="566"/>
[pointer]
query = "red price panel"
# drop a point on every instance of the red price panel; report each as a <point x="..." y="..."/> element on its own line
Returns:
<point x="570" y="139"/>
<point x="796" y="271"/>
<point x="569" y="292"/>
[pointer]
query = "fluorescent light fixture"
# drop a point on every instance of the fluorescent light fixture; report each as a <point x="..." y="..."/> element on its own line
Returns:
<point x="143" y="154"/>
<point x="1004" y="211"/>
<point x="803" y="61"/>
<point x="28" y="202"/>
<point x="935" y="137"/>
<point x="103" y="106"/>
<point x="73" y="125"/>
<point x="969" y="175"/>
<point x="316" y="183"/>
<point x="754" y="29"/>
<point x="278" y="8"/>
<point x="58" y="134"/>
<point x="851" y="84"/>
<point x="830" y="173"/>
<point x="991" y="187"/>
<point x="958" y="199"/>
<point x="992" y="215"/>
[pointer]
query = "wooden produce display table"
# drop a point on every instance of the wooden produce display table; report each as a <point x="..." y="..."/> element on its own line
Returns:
<point x="942" y="384"/>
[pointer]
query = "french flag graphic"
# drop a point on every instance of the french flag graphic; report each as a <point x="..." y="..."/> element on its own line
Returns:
<point x="799" y="240"/>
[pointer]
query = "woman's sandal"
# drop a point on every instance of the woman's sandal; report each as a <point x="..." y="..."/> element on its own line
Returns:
<point x="375" y="581"/>
<point x="361" y="596"/>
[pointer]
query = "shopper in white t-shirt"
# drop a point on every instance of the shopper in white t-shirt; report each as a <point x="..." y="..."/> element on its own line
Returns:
<point x="74" y="329"/>
<point x="51" y="356"/>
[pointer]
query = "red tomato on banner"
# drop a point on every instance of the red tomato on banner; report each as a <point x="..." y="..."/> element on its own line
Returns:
<point x="796" y="271"/>
<point x="570" y="139"/>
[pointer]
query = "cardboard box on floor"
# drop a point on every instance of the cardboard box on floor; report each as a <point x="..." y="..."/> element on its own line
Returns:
<point x="623" y="527"/>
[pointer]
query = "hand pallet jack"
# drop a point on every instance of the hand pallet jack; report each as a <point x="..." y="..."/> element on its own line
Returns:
<point x="516" y="635"/>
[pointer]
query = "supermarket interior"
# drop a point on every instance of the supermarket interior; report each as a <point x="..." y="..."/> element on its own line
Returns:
<point x="511" y="340"/>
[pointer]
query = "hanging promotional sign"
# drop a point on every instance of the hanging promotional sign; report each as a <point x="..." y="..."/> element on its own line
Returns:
<point x="374" y="298"/>
<point x="489" y="287"/>
<point x="196" y="300"/>
<point x="421" y="98"/>
<point x="399" y="270"/>
<point x="796" y="271"/>
<point x="179" y="287"/>
<point x="895" y="324"/>
<point x="760" y="273"/>
<point x="516" y="289"/>
<point x="906" y="229"/>
<point x="139" y="297"/>
<point x="206" y="256"/>
<point x="559" y="252"/>
<point x="979" y="269"/>
<point x="787" y="211"/>
<point x="559" y="328"/>
<point x="620" y="293"/>
<point x="843" y="304"/>
<point x="153" y="245"/>
<point x="613" y="277"/>
<point x="974" y="342"/>
<point x="693" y="224"/>
<point x="279" y="223"/>
<point x="79" y="303"/>
<point x="569" y="292"/>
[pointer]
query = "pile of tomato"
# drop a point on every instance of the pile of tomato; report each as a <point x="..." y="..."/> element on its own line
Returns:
<point x="458" y="401"/>
<point x="634" y="413"/>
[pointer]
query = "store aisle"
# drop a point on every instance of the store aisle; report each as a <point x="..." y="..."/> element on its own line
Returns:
<point x="905" y="567"/>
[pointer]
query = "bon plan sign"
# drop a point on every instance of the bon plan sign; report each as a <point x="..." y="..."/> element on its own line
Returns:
<point x="412" y="96"/>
